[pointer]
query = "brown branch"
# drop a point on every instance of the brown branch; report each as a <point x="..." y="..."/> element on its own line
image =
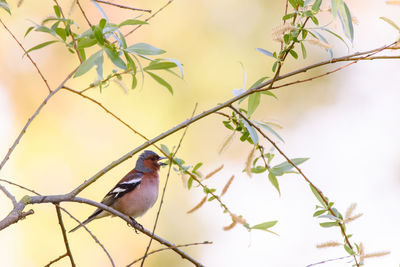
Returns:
<point x="52" y="93"/>
<point x="341" y="225"/>
<point x="83" y="13"/>
<point x="122" y="6"/>
<point x="105" y="80"/>
<point x="56" y="199"/>
<point x="70" y="33"/>
<point x="149" y="18"/>
<point x="165" y="187"/>
<point x="64" y="234"/>
<point x="91" y="234"/>
<point x="27" y="54"/>
<point x="56" y="259"/>
<point x="162" y="249"/>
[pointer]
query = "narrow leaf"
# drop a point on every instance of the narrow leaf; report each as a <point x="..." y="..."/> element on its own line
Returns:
<point x="88" y="64"/>
<point x="132" y="22"/>
<point x="329" y="224"/>
<point x="274" y="181"/>
<point x="315" y="192"/>
<point x="115" y="58"/>
<point x="269" y="129"/>
<point x="161" y="81"/>
<point x="154" y="65"/>
<point x="316" y="5"/>
<point x="40" y="46"/>
<point x="264" y="225"/>
<point x="345" y="19"/>
<point x="252" y="132"/>
<point x="253" y="103"/>
<point x="390" y="22"/>
<point x="283" y="167"/>
<point x="85" y="42"/>
<point x="144" y="49"/>
<point x="134" y="81"/>
<point x="5" y="6"/>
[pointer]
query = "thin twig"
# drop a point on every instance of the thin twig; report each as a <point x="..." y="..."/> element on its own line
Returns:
<point x="325" y="261"/>
<point x="341" y="225"/>
<point x="27" y="54"/>
<point x="105" y="80"/>
<point x="52" y="93"/>
<point x="83" y="13"/>
<point x="20" y="186"/>
<point x="91" y="234"/>
<point x="64" y="234"/>
<point x="9" y="195"/>
<point x="165" y="187"/>
<point x="162" y="249"/>
<point x="70" y="33"/>
<point x="149" y="18"/>
<point x="122" y="6"/>
<point x="56" y="259"/>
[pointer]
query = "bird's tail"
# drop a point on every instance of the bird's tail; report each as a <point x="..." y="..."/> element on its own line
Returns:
<point x="97" y="214"/>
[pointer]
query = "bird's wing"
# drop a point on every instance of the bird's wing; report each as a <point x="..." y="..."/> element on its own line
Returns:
<point x="131" y="181"/>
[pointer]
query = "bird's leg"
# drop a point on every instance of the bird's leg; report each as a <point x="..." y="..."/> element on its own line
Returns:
<point x="135" y="224"/>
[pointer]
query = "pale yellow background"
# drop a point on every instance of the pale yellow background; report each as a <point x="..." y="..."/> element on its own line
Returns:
<point x="347" y="123"/>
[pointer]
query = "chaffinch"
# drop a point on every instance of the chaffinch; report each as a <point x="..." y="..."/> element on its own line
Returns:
<point x="136" y="192"/>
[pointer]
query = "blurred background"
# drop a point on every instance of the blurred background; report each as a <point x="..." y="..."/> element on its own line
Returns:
<point x="347" y="123"/>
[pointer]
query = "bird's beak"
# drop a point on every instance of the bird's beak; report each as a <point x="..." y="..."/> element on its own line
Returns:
<point x="162" y="163"/>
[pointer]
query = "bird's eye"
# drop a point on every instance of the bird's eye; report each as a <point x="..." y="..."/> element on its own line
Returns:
<point x="153" y="158"/>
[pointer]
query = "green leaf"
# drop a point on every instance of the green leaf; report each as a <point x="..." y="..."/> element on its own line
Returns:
<point x="114" y="57"/>
<point x="5" y="6"/>
<point x="294" y="54"/>
<point x="144" y="49"/>
<point x="211" y="198"/>
<point x="61" y="32"/>
<point x="85" y="42"/>
<point x="314" y="20"/>
<point x="177" y="63"/>
<point x="252" y="132"/>
<point x="329" y="224"/>
<point x="29" y="30"/>
<point x="258" y="169"/>
<point x="132" y="22"/>
<point x="254" y="101"/>
<point x="348" y="249"/>
<point x="336" y="35"/>
<point x="283" y="167"/>
<point x="303" y="50"/>
<point x="134" y="81"/>
<point x="288" y="16"/>
<point x="161" y="81"/>
<point x="318" y="212"/>
<point x="102" y="23"/>
<point x="274" y="66"/>
<point x="293" y="3"/>
<point x="345" y="19"/>
<point x="264" y="225"/>
<point x="269" y="129"/>
<point x="88" y="63"/>
<point x="265" y="52"/>
<point x="40" y="46"/>
<point x="316" y="5"/>
<point x="258" y="82"/>
<point x="156" y="65"/>
<point x="391" y="23"/>
<point x="190" y="182"/>
<point x="57" y="11"/>
<point x="197" y="166"/>
<point x="165" y="149"/>
<point x="98" y="35"/>
<point x="274" y="181"/>
<point x="45" y="30"/>
<point x="317" y="195"/>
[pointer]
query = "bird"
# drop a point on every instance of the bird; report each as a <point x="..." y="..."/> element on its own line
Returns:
<point x="135" y="193"/>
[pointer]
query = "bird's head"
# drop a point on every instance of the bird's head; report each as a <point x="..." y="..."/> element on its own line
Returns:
<point x="148" y="161"/>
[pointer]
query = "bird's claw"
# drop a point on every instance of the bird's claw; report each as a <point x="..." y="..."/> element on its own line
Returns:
<point x="135" y="225"/>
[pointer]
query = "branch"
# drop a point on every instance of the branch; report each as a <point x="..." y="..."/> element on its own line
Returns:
<point x="56" y="199"/>
<point x="83" y="13"/>
<point x="52" y="93"/>
<point x="56" y="259"/>
<point x="64" y="234"/>
<point x="9" y="195"/>
<point x="162" y="249"/>
<point x="149" y="18"/>
<point x="325" y="261"/>
<point x="121" y="6"/>
<point x="27" y="54"/>
<point x="165" y="187"/>
<point x="341" y="224"/>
